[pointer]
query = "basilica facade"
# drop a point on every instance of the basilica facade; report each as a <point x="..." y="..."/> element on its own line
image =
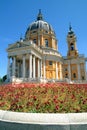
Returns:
<point x="36" y="57"/>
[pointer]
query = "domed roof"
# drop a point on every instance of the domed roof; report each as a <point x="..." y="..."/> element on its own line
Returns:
<point x="40" y="24"/>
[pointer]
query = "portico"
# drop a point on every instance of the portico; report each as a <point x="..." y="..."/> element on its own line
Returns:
<point x="25" y="67"/>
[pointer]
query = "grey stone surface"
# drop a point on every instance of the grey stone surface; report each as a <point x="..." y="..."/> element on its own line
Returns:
<point x="37" y="121"/>
<point x="19" y="126"/>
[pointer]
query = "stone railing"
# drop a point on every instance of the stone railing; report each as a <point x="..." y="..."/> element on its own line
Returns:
<point x="50" y="52"/>
<point x="30" y="80"/>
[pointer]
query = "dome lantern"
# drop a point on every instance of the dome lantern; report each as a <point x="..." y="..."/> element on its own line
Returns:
<point x="40" y="16"/>
<point x="70" y="30"/>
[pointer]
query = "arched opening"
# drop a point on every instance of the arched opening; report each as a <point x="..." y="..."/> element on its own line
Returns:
<point x="74" y="75"/>
<point x="66" y="75"/>
<point x="83" y="77"/>
<point x="34" y="40"/>
<point x="71" y="46"/>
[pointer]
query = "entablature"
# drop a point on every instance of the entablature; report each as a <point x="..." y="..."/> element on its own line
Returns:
<point x="74" y="60"/>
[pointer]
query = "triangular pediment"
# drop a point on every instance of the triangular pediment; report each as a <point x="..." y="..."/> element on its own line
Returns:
<point x="18" y="45"/>
<point x="24" y="46"/>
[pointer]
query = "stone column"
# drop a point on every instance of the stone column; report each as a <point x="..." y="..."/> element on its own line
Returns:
<point x="41" y="68"/>
<point x="23" y="66"/>
<point x="34" y="67"/>
<point x="56" y="71"/>
<point x="60" y="71"/>
<point x="38" y="68"/>
<point x="8" y="69"/>
<point x="18" y="69"/>
<point x="85" y="70"/>
<point x="30" y="66"/>
<point x="14" y="66"/>
<point x="44" y="69"/>
<point x="69" y="72"/>
<point x="79" y="76"/>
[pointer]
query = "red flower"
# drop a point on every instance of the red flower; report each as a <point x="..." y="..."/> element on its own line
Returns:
<point x="57" y="107"/>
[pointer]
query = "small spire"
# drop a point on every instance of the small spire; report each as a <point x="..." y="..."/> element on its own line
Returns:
<point x="70" y="27"/>
<point x="21" y="39"/>
<point x="39" y="11"/>
<point x="39" y="17"/>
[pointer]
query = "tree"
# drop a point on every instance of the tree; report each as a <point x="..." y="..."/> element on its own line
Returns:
<point x="4" y="78"/>
<point x="0" y="80"/>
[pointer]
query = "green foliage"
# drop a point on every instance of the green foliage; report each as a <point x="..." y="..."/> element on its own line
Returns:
<point x="1" y="80"/>
<point x="4" y="78"/>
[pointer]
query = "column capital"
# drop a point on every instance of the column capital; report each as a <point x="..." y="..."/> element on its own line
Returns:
<point x="33" y="56"/>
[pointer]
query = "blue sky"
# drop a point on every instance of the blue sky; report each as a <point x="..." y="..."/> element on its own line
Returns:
<point x="16" y="15"/>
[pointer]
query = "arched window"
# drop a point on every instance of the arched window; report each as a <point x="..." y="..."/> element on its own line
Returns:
<point x="34" y="40"/>
<point x="46" y="43"/>
<point x="74" y="75"/>
<point x="66" y="75"/>
<point x="71" y="46"/>
<point x="83" y="78"/>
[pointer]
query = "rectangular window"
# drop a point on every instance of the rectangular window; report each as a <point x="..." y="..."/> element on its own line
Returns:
<point x="46" y="43"/>
<point x="50" y="63"/>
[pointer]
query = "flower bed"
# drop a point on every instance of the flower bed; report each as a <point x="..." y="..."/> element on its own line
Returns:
<point x="44" y="98"/>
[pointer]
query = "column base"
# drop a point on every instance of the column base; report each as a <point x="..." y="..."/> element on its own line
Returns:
<point x="13" y="79"/>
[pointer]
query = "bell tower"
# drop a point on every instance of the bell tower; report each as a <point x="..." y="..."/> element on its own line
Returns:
<point x="71" y="40"/>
